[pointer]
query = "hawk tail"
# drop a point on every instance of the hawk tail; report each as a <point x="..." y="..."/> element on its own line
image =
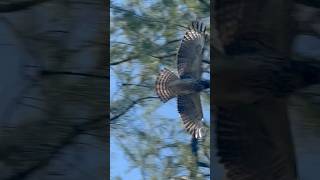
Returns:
<point x="163" y="90"/>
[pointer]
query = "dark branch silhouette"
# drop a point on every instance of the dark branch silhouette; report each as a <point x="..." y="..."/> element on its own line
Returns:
<point x="144" y="18"/>
<point x="18" y="6"/>
<point x="50" y="73"/>
<point x="139" y="85"/>
<point x="56" y="149"/>
<point x="124" y="60"/>
<point x="133" y="103"/>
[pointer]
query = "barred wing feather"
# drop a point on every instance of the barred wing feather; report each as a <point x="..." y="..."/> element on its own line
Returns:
<point x="190" y="51"/>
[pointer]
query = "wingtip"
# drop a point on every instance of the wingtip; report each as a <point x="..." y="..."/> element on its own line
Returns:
<point x="197" y="130"/>
<point x="198" y="26"/>
<point x="201" y="132"/>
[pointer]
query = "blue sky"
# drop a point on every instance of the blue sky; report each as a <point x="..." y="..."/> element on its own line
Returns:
<point x="307" y="161"/>
<point x="119" y="163"/>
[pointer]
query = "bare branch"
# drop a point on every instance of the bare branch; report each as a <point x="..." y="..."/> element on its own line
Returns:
<point x="172" y="41"/>
<point x="49" y="73"/>
<point x="129" y="44"/>
<point x="140" y="85"/>
<point x="134" y="57"/>
<point x="133" y="103"/>
<point x="164" y="56"/>
<point x="119" y="42"/>
<point x="206" y="61"/>
<point x="122" y="61"/>
<point x="144" y="18"/>
<point x="202" y="164"/>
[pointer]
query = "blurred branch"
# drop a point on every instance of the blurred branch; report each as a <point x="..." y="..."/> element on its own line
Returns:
<point x="33" y="106"/>
<point x="164" y="56"/>
<point x="56" y="149"/>
<point x="205" y="3"/>
<point x="50" y="73"/>
<point x="206" y="61"/>
<point x="119" y="42"/>
<point x="144" y="18"/>
<point x="129" y="84"/>
<point x="13" y="106"/>
<point x="172" y="41"/>
<point x="134" y="57"/>
<point x="23" y="44"/>
<point x="133" y="103"/>
<point x="122" y="61"/>
<point x="17" y="6"/>
<point x="129" y="44"/>
<point x="202" y="164"/>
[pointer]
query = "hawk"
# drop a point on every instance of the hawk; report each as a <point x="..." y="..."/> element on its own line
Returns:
<point x="253" y="75"/>
<point x="188" y="84"/>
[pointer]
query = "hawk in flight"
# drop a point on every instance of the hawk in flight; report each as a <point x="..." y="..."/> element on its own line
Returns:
<point x="254" y="74"/>
<point x="188" y="84"/>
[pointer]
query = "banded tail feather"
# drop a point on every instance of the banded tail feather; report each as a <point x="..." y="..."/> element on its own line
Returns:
<point x="163" y="89"/>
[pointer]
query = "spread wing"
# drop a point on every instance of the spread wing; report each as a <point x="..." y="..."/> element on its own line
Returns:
<point x="190" y="110"/>
<point x="190" y="51"/>
<point x="254" y="142"/>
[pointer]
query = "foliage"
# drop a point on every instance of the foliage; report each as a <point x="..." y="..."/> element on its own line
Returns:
<point x="144" y="38"/>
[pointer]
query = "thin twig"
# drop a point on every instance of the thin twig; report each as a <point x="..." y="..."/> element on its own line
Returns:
<point x="148" y="19"/>
<point x="133" y="103"/>
<point x="48" y="73"/>
<point x="122" y="61"/>
<point x="129" y="84"/>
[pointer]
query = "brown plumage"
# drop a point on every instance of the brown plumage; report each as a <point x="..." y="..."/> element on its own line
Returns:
<point x="188" y="85"/>
<point x="252" y="79"/>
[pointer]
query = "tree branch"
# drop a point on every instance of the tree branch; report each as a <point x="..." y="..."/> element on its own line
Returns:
<point x="143" y="18"/>
<point x="129" y="84"/>
<point x="56" y="149"/>
<point x="133" y="103"/>
<point x="50" y="73"/>
<point x="164" y="56"/>
<point x="133" y="57"/>
<point x="206" y="61"/>
<point x="202" y="164"/>
<point x="122" y="61"/>
<point x="205" y="3"/>
<point x="18" y="6"/>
